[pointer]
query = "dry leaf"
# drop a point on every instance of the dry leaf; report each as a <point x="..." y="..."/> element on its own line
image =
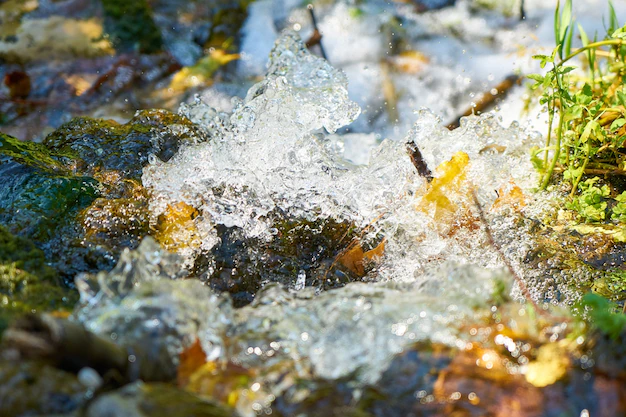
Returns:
<point x="191" y="359"/>
<point x="355" y="258"/>
<point x="510" y="196"/>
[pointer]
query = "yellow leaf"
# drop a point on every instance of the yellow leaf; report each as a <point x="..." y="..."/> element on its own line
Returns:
<point x="449" y="181"/>
<point x="550" y="366"/>
<point x="355" y="258"/>
<point x="201" y="72"/>
<point x="176" y="228"/>
<point x="410" y="62"/>
<point x="223" y="382"/>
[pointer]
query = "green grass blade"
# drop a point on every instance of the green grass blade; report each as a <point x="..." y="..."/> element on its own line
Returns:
<point x="613" y="22"/>
<point x="557" y="23"/>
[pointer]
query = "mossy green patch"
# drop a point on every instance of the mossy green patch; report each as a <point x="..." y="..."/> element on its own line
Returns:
<point x="27" y="283"/>
<point x="130" y="26"/>
<point x="101" y="146"/>
<point x="31" y="154"/>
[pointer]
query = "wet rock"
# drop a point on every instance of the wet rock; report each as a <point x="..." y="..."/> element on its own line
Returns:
<point x="78" y="194"/>
<point x="101" y="148"/>
<point x="301" y="253"/>
<point x="155" y="400"/>
<point x="38" y="193"/>
<point x="27" y="283"/>
<point x="35" y="388"/>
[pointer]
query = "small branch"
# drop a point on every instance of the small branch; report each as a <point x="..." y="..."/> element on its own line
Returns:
<point x="316" y="37"/>
<point x="487" y="99"/>
<point x="418" y="161"/>
<point x="596" y="171"/>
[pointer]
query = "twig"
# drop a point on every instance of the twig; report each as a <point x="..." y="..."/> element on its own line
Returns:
<point x="418" y="161"/>
<point x="316" y="37"/>
<point x="487" y="99"/>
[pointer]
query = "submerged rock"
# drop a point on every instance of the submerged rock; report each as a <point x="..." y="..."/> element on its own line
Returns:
<point x="143" y="302"/>
<point x="301" y="253"/>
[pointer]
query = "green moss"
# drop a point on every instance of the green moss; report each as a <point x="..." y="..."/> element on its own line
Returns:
<point x="35" y="204"/>
<point x="611" y="285"/>
<point x="130" y="26"/>
<point x="27" y="283"/>
<point x="31" y="154"/>
<point x="101" y="146"/>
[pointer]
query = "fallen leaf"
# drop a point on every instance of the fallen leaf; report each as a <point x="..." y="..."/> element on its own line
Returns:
<point x="410" y="62"/>
<point x="176" y="228"/>
<point x="18" y="83"/>
<point x="510" y="196"/>
<point x="551" y="365"/>
<point x="224" y="383"/>
<point x="355" y="258"/>
<point x="201" y="73"/>
<point x="191" y="359"/>
<point x="436" y="201"/>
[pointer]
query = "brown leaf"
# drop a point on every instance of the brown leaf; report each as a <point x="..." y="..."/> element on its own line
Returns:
<point x="191" y="359"/>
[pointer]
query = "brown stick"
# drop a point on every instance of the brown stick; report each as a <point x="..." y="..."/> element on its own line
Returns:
<point x="418" y="161"/>
<point x="71" y="347"/>
<point x="316" y="37"/>
<point x="487" y="99"/>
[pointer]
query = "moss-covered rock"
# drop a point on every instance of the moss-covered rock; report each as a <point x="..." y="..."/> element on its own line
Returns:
<point x="27" y="283"/>
<point x="78" y="194"/>
<point x="38" y="192"/>
<point x="111" y="151"/>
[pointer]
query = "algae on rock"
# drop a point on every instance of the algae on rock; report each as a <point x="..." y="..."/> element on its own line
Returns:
<point x="77" y="194"/>
<point x="27" y="283"/>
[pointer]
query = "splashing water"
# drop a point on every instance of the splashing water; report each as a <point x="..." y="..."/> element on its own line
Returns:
<point x="271" y="155"/>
